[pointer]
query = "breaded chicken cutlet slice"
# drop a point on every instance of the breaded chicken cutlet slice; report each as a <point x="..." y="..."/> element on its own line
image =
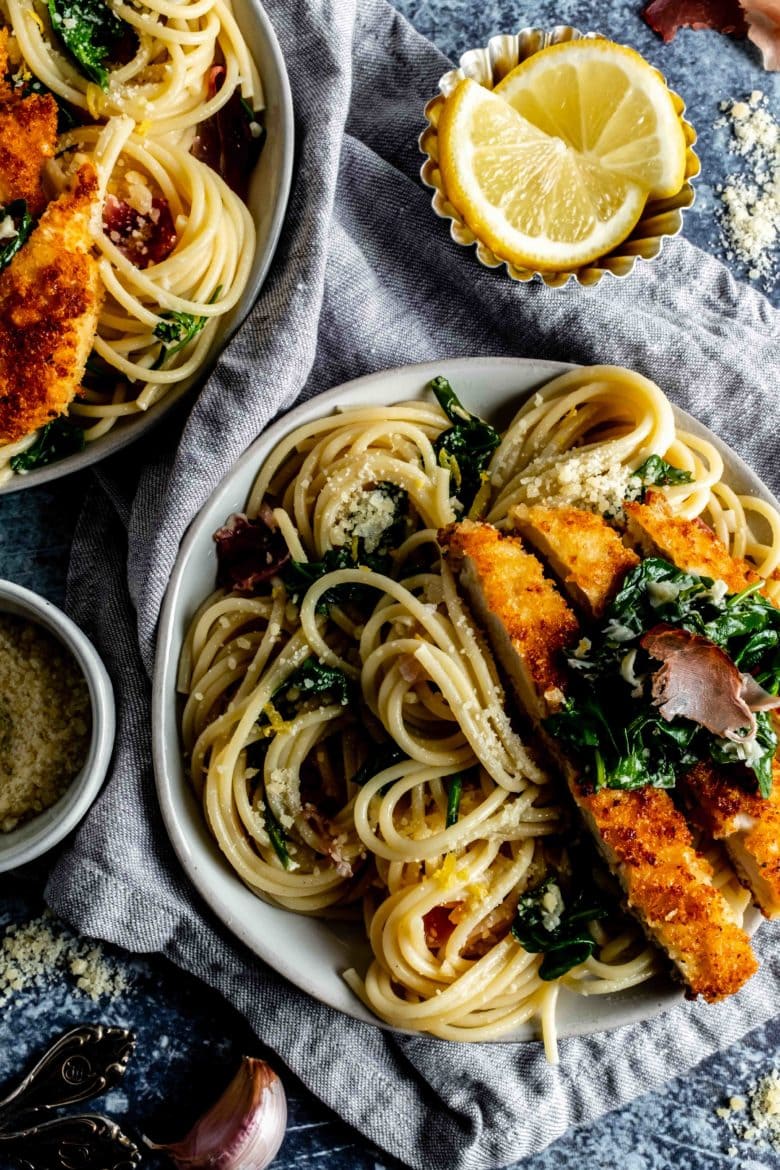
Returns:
<point x="49" y="303"/>
<point x="691" y="545"/>
<point x="643" y="837"/>
<point x="585" y="554"/>
<point x="28" y="133"/>
<point x="746" y="823"/>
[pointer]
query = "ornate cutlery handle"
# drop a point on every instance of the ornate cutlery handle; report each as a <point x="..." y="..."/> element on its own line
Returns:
<point x="79" y="1142"/>
<point x="83" y="1063"/>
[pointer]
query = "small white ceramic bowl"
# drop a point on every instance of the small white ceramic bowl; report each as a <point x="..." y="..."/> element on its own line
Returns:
<point x="48" y="828"/>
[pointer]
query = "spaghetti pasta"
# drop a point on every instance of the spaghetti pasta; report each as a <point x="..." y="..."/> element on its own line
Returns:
<point x="413" y="798"/>
<point x="175" y="243"/>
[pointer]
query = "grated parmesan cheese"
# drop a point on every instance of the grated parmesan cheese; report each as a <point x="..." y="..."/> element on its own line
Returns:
<point x="41" y="950"/>
<point x="282" y="789"/>
<point x="756" y="1118"/>
<point x="750" y="216"/>
<point x="45" y="720"/>
<point x="552" y="908"/>
<point x="366" y="514"/>
<point x="592" y="480"/>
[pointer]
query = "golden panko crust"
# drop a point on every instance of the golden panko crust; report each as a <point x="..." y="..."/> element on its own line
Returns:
<point x="642" y="835"/>
<point x="689" y="544"/>
<point x="669" y="885"/>
<point x="587" y="555"/>
<point x="28" y="133"/>
<point x="516" y="591"/>
<point x="746" y="822"/>
<point x="49" y="304"/>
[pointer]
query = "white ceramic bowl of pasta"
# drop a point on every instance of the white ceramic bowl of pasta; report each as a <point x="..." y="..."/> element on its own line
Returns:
<point x="312" y="953"/>
<point x="267" y="197"/>
<point x="36" y="836"/>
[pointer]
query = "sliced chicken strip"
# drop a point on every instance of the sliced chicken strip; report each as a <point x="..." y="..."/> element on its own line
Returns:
<point x="50" y="298"/>
<point x="587" y="556"/>
<point x="747" y="823"/>
<point x="691" y="545"/>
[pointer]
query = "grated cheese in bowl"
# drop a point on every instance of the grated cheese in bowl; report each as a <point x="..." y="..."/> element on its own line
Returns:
<point x="57" y="721"/>
<point x="45" y="720"/>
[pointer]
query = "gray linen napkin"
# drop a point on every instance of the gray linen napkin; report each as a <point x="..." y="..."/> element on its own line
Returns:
<point x="367" y="278"/>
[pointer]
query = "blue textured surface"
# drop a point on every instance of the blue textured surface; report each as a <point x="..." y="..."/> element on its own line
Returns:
<point x="189" y="1040"/>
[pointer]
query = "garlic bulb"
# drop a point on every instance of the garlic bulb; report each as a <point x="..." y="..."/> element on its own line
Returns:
<point x="243" y="1130"/>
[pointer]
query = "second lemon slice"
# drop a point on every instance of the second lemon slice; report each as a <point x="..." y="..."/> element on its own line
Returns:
<point x="533" y="198"/>
<point x="604" y="101"/>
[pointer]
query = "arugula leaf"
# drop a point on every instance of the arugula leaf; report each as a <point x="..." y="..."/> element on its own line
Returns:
<point x="90" y="30"/>
<point x="380" y="758"/>
<point x="57" y="439"/>
<point x="299" y="576"/>
<point x="565" y="943"/>
<point x="766" y="737"/>
<point x="656" y="471"/>
<point x="277" y="836"/>
<point x="656" y="591"/>
<point x="176" y="330"/>
<point x="748" y="616"/>
<point x="618" y="750"/>
<point x="314" y="678"/>
<point x="465" y="449"/>
<point x="454" y="793"/>
<point x="22" y="221"/>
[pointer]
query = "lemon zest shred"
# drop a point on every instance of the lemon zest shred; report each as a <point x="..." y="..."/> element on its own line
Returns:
<point x="276" y="722"/>
<point x="94" y="97"/>
<point x="447" y="875"/>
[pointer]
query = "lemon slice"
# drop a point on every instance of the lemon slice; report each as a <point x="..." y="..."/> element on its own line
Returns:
<point x="529" y="195"/>
<point x="606" y="103"/>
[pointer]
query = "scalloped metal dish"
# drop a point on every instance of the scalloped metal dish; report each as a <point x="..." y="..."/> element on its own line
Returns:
<point x="661" y="218"/>
<point x="314" y="952"/>
<point x="269" y="191"/>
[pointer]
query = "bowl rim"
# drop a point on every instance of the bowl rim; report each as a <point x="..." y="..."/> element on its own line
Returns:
<point x="45" y="830"/>
<point x="276" y="87"/>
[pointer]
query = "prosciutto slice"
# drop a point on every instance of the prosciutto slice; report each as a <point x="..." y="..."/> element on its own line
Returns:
<point x="698" y="681"/>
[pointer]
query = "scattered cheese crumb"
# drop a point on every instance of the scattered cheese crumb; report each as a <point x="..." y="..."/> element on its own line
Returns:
<point x="756" y="1118"/>
<point x="750" y="217"/>
<point x="36" y="952"/>
<point x="552" y="908"/>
